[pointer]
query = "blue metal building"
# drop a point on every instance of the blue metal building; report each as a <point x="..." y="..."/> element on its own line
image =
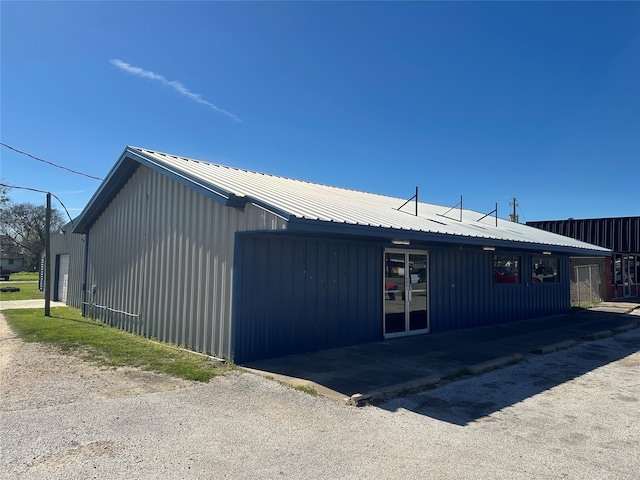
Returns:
<point x="248" y="266"/>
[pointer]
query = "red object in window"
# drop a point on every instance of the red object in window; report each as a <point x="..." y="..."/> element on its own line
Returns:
<point x="504" y="275"/>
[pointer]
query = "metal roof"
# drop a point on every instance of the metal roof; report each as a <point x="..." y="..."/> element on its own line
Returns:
<point x="314" y="207"/>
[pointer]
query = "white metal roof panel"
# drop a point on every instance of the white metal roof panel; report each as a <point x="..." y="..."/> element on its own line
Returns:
<point x="312" y="201"/>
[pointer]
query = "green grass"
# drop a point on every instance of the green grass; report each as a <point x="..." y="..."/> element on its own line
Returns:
<point x="28" y="291"/>
<point x="96" y="342"/>
<point x="24" y="276"/>
<point x="306" y="389"/>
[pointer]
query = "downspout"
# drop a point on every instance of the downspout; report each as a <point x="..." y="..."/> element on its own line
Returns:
<point x="235" y="300"/>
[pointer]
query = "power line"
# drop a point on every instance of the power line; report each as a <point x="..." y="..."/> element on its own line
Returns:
<point x="49" y="163"/>
<point x="40" y="191"/>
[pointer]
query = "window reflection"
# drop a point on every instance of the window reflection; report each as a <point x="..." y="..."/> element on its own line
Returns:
<point x="506" y="269"/>
<point x="544" y="270"/>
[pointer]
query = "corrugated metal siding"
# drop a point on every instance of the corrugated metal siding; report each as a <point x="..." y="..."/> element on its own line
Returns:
<point x="299" y="295"/>
<point x="463" y="293"/>
<point x="163" y="254"/>
<point x="618" y="234"/>
<point x="71" y="244"/>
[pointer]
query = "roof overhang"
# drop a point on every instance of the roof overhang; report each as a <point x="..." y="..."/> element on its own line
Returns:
<point x="314" y="209"/>
<point x="418" y="238"/>
<point x="130" y="160"/>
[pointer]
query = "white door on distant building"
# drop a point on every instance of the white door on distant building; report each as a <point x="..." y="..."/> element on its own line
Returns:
<point x="63" y="278"/>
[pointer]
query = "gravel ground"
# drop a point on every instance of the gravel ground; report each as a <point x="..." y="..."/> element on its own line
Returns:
<point x="570" y="414"/>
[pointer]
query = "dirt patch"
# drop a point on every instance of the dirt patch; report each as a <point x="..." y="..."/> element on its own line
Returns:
<point x="79" y="453"/>
<point x="33" y="375"/>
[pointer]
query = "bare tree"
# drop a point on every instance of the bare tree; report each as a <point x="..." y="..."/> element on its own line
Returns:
<point x="4" y="194"/>
<point x="25" y="224"/>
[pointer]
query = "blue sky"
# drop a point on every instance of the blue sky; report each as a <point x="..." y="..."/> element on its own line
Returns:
<point x="488" y="100"/>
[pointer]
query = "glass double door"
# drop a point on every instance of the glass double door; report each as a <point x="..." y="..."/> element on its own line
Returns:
<point x="405" y="292"/>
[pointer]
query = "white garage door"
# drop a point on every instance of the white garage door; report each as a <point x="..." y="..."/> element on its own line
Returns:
<point x="63" y="278"/>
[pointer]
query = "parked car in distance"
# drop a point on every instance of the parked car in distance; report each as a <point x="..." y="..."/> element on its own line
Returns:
<point x="4" y="274"/>
<point x="503" y="274"/>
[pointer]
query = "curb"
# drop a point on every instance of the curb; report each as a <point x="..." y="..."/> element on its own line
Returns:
<point x="592" y="336"/>
<point x="494" y="364"/>
<point x="625" y="327"/>
<point x="359" y="399"/>
<point x="598" y="335"/>
<point x="413" y="386"/>
<point x="554" y="347"/>
<point x="608" y="333"/>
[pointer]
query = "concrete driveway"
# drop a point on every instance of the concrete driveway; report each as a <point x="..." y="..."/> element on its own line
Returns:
<point x="372" y="372"/>
<point x="12" y="304"/>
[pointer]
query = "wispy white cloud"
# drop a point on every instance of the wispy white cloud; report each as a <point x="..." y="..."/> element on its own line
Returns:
<point x="177" y="86"/>
<point x="72" y="192"/>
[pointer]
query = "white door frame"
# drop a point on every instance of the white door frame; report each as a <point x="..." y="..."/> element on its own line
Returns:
<point x="408" y="288"/>
<point x="63" y="277"/>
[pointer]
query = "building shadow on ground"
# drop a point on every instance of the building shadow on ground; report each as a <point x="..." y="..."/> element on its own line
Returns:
<point x="469" y="399"/>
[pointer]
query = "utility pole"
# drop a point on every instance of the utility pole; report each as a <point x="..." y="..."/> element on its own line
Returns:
<point x="47" y="259"/>
<point x="514" y="216"/>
